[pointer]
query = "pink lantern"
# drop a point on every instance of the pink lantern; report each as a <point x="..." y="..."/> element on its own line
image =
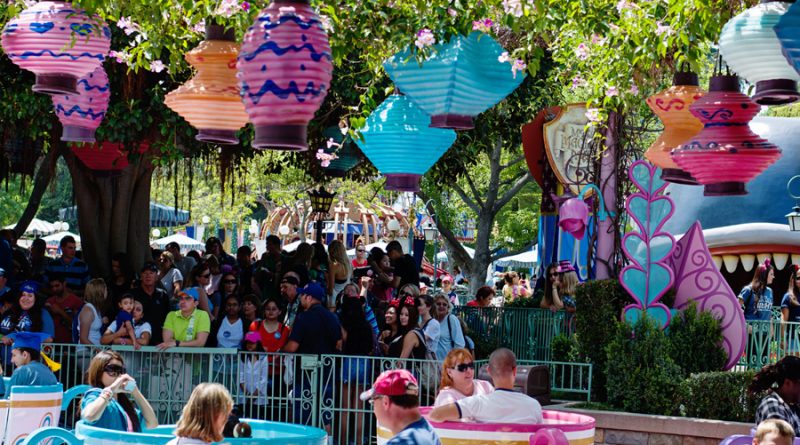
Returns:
<point x="726" y="153"/>
<point x="573" y="216"/>
<point x="285" y="70"/>
<point x="58" y="43"/>
<point x="81" y="114"/>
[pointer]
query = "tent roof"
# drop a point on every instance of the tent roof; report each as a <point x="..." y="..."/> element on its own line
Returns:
<point x="36" y="227"/>
<point x="524" y="259"/>
<point x="184" y="241"/>
<point x="160" y="215"/>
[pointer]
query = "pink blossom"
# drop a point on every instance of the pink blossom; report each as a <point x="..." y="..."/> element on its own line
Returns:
<point x="199" y="27"/>
<point x="577" y="82"/>
<point x="326" y="22"/>
<point x="593" y="114"/>
<point x="452" y="12"/>
<point x="634" y="90"/>
<point x="612" y="91"/>
<point x="663" y="29"/>
<point x="325" y="158"/>
<point x="598" y="40"/>
<point x="623" y="5"/>
<point x="246" y="6"/>
<point x="503" y="58"/>
<point x="120" y="56"/>
<point x="513" y="7"/>
<point x="424" y="38"/>
<point x="582" y="51"/>
<point x="331" y="143"/>
<point x="519" y="65"/>
<point x="157" y="66"/>
<point x="484" y="25"/>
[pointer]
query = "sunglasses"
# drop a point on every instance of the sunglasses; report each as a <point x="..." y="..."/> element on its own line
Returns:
<point x="462" y="367"/>
<point x="372" y="399"/>
<point x="205" y="275"/>
<point x="115" y="370"/>
<point x="229" y="282"/>
<point x="361" y="250"/>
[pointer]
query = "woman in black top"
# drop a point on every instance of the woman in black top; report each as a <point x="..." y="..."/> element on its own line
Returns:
<point x="412" y="346"/>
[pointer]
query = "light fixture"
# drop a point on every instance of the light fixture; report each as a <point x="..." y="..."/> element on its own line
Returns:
<point x="156" y="233"/>
<point x="283" y="230"/>
<point x="794" y="216"/>
<point x="430" y="230"/>
<point x="393" y="225"/>
<point x="321" y="201"/>
<point x="206" y="220"/>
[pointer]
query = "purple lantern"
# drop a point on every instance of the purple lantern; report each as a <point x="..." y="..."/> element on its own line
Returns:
<point x="58" y="43"/>
<point x="573" y="216"/>
<point x="81" y="114"/>
<point x="285" y="71"/>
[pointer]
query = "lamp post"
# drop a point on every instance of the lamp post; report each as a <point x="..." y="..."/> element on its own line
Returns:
<point x="794" y="216"/>
<point x="321" y="201"/>
<point x="432" y="234"/>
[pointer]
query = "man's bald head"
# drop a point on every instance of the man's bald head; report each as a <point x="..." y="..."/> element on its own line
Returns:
<point x="502" y="362"/>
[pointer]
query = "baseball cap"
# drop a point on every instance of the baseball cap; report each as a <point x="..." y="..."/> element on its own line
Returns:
<point x="447" y="278"/>
<point x="394" y="382"/>
<point x="565" y="266"/>
<point x="313" y="290"/>
<point x="149" y="265"/>
<point x="190" y="291"/>
<point x="253" y="337"/>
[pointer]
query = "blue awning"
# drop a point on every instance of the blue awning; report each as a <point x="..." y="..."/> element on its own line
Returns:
<point x="160" y="215"/>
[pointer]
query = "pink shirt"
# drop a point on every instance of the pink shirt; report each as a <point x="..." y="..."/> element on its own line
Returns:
<point x="452" y="395"/>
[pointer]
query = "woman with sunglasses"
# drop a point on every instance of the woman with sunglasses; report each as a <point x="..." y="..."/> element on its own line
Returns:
<point x="550" y="299"/>
<point x="458" y="378"/>
<point x="108" y="403"/>
<point x="360" y="264"/>
<point x="200" y="277"/>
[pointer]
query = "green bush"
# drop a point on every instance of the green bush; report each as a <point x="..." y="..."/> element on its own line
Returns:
<point x="564" y="348"/>
<point x="642" y="378"/>
<point x="529" y="302"/>
<point x="694" y="339"/>
<point x="599" y="305"/>
<point x="718" y="395"/>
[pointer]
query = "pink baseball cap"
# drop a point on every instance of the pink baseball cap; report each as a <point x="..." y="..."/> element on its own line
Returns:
<point x="253" y="337"/>
<point x="394" y="382"/>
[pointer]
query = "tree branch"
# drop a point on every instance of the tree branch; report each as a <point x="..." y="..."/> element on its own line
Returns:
<point x="522" y="249"/>
<point x="472" y="188"/>
<point x="42" y="179"/>
<point x="514" y="161"/>
<point x="463" y="195"/>
<point x="503" y="200"/>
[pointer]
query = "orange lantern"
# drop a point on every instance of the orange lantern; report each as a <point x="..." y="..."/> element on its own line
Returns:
<point x="672" y="107"/>
<point x="210" y="100"/>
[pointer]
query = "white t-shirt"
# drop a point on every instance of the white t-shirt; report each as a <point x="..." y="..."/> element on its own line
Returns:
<point x="501" y="406"/>
<point x="431" y="331"/>
<point x="451" y="395"/>
<point x="138" y="330"/>
<point x="186" y="441"/>
<point x="230" y="335"/>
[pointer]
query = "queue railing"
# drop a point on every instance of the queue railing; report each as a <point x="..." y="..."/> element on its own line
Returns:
<point x="768" y="342"/>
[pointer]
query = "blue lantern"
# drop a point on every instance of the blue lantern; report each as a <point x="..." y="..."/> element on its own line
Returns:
<point x="751" y="48"/>
<point x="397" y="139"/>
<point x="460" y="79"/>
<point x="348" y="155"/>
<point x="788" y="32"/>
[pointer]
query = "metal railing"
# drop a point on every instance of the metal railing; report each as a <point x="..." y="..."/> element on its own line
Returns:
<point x="526" y="331"/>
<point x="301" y="389"/>
<point x="565" y="377"/>
<point x="768" y="342"/>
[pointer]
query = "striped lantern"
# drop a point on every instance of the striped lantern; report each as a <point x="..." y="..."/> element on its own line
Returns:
<point x="210" y="101"/>
<point x="398" y="140"/>
<point x="81" y="114"/>
<point x="672" y="107"/>
<point x="459" y="80"/>
<point x="58" y="43"/>
<point x="751" y="48"/>
<point x="726" y="154"/>
<point x="285" y="71"/>
<point x="788" y="31"/>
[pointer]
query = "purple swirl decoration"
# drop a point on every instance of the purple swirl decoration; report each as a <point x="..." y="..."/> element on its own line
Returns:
<point x="698" y="279"/>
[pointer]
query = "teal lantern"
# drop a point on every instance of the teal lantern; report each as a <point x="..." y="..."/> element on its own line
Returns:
<point x="788" y="32"/>
<point x="397" y="138"/>
<point x="347" y="152"/>
<point x="459" y="80"/>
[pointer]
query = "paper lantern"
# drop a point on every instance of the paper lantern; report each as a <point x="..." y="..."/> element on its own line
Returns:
<point x="58" y="43"/>
<point x="348" y="155"/>
<point x="210" y="101"/>
<point x="573" y="216"/>
<point x="81" y="114"/>
<point x="726" y="154"/>
<point x="397" y="139"/>
<point x="672" y="107"/>
<point x="459" y="80"/>
<point x="285" y="71"/>
<point x="751" y="48"/>
<point x="105" y="157"/>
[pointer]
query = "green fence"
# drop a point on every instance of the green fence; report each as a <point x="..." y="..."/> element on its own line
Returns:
<point x="299" y="389"/>
<point x="769" y="341"/>
<point x="526" y="331"/>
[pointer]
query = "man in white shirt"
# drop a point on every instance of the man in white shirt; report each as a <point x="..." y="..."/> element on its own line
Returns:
<point x="504" y="405"/>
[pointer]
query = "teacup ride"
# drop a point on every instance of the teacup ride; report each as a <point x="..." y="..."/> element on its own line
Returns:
<point x="263" y="433"/>
<point x="558" y="428"/>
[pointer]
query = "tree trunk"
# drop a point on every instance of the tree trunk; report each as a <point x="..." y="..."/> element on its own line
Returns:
<point x="42" y="179"/>
<point x="113" y="213"/>
<point x="607" y="231"/>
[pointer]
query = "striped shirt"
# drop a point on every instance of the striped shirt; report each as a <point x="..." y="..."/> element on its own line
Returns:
<point x="75" y="273"/>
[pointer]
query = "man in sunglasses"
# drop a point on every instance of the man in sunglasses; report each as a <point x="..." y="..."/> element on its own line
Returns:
<point x="504" y="405"/>
<point x="395" y="401"/>
<point x="25" y="357"/>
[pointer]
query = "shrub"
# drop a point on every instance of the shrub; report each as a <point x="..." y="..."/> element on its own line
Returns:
<point x="694" y="339"/>
<point x="599" y="305"/>
<point x="529" y="302"/>
<point x="718" y="395"/>
<point x="564" y="348"/>
<point x="642" y="378"/>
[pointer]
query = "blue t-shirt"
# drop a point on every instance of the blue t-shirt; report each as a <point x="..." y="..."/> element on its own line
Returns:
<point x="316" y="330"/>
<point x="113" y="417"/>
<point x="32" y="374"/>
<point x="763" y="311"/>
<point x="122" y="318"/>
<point x="417" y="433"/>
<point x="794" y="311"/>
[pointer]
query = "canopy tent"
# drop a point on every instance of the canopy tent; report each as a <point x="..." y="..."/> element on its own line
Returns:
<point x="53" y="241"/>
<point x="184" y="241"/>
<point x="37" y="227"/>
<point x="442" y="256"/>
<point x="525" y="259"/>
<point x="160" y="215"/>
